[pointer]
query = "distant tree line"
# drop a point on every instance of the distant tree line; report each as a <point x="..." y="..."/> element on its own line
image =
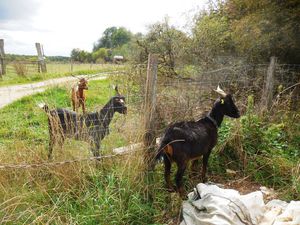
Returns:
<point x="15" y="57"/>
<point x="249" y="29"/>
<point x="114" y="41"/>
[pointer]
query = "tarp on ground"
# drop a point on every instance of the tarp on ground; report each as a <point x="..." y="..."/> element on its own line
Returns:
<point x="212" y="205"/>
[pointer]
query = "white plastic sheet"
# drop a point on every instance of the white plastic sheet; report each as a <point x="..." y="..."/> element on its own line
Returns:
<point x="211" y="205"/>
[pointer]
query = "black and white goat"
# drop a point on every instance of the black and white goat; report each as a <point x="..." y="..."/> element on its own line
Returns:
<point x="189" y="140"/>
<point x="89" y="127"/>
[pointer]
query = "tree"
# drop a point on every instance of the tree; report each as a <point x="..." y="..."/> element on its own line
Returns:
<point x="100" y="55"/>
<point x="80" y="55"/>
<point x="166" y="41"/>
<point x="113" y="37"/>
<point x="255" y="30"/>
<point x="212" y="37"/>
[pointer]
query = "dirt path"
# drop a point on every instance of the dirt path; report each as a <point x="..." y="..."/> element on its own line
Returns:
<point x="10" y="94"/>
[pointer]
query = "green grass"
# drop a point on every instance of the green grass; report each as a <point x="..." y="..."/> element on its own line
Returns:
<point x="54" y="71"/>
<point x="114" y="191"/>
<point x="266" y="149"/>
<point x="117" y="190"/>
<point x="28" y="124"/>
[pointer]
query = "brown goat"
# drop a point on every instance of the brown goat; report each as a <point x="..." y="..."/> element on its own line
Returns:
<point x="78" y="96"/>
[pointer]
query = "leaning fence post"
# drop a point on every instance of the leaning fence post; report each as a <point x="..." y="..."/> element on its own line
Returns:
<point x="149" y="122"/>
<point x="71" y="65"/>
<point x="149" y="109"/>
<point x="267" y="96"/>
<point x="2" y="58"/>
<point x="41" y="58"/>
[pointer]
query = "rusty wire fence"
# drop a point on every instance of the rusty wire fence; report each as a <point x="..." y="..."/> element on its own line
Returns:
<point x="191" y="97"/>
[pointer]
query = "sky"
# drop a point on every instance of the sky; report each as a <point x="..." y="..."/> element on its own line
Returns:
<point x="62" y="25"/>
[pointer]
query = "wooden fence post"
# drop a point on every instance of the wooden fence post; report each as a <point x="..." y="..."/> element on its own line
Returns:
<point x="149" y="109"/>
<point x="41" y="58"/>
<point x="71" y="65"/>
<point x="267" y="96"/>
<point x="2" y="58"/>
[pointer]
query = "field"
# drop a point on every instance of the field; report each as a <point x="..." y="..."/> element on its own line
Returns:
<point x="81" y="193"/>
<point x="54" y="70"/>
<point x="262" y="150"/>
<point x="169" y="72"/>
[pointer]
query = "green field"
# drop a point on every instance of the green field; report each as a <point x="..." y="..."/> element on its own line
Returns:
<point x="54" y="70"/>
<point x="78" y="193"/>
<point x="118" y="190"/>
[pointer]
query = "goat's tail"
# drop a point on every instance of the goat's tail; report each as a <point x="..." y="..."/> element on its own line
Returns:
<point x="43" y="106"/>
<point x="164" y="143"/>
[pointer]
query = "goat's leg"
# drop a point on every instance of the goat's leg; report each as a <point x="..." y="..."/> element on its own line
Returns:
<point x="96" y="148"/>
<point x="74" y="105"/>
<point x="51" y="145"/>
<point x="194" y="168"/>
<point x="51" y="138"/>
<point x="179" y="175"/>
<point x="168" y="166"/>
<point x="83" y="106"/>
<point x="204" y="167"/>
<point x="60" y="136"/>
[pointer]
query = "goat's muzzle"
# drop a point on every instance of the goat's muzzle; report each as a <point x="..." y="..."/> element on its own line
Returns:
<point x="237" y="115"/>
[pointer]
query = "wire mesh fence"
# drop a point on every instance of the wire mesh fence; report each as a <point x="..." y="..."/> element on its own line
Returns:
<point x="182" y="97"/>
<point x="178" y="98"/>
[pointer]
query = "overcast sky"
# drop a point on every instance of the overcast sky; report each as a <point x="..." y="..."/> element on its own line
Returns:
<point x="61" y="25"/>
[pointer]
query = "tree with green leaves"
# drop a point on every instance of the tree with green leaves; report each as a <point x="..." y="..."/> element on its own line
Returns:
<point x="166" y="41"/>
<point x="100" y="55"/>
<point x="79" y="55"/>
<point x="252" y="29"/>
<point x="113" y="37"/>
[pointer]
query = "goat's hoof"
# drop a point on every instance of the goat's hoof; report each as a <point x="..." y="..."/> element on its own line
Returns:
<point x="204" y="180"/>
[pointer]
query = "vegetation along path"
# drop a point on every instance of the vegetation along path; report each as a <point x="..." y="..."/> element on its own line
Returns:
<point x="11" y="93"/>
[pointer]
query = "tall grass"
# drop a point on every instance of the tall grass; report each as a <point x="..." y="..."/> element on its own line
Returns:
<point x="111" y="191"/>
<point x="263" y="149"/>
<point x="117" y="190"/>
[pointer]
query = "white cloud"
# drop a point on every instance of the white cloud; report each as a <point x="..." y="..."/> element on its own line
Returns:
<point x="62" y="25"/>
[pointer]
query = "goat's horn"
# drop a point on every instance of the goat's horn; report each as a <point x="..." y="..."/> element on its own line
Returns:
<point x="220" y="91"/>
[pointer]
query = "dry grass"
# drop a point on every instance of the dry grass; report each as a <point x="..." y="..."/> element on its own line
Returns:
<point x="20" y="68"/>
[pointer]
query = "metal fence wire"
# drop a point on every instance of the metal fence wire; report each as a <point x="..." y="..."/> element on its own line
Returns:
<point x="190" y="97"/>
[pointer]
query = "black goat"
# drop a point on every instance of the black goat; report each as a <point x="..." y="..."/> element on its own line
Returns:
<point x="188" y="141"/>
<point x="89" y="127"/>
